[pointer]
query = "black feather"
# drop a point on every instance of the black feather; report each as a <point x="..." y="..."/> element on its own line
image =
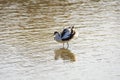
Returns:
<point x="70" y="36"/>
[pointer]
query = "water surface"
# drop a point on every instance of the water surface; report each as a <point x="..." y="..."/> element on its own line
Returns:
<point x="29" y="52"/>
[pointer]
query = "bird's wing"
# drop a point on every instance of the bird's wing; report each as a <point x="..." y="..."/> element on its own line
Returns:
<point x="66" y="35"/>
<point x="62" y="33"/>
<point x="65" y="32"/>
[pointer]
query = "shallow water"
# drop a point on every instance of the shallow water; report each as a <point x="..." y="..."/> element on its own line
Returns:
<point x="29" y="52"/>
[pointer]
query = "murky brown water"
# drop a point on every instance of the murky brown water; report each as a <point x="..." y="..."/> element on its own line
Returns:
<point x="28" y="51"/>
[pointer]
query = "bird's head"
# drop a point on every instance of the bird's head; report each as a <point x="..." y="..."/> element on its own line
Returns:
<point x="55" y="32"/>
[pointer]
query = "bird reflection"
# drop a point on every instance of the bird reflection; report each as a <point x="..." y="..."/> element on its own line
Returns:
<point x="64" y="54"/>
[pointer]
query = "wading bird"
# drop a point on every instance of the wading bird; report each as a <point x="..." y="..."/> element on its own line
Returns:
<point x="65" y="36"/>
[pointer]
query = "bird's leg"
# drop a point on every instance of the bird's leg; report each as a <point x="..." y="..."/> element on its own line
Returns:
<point x="67" y="45"/>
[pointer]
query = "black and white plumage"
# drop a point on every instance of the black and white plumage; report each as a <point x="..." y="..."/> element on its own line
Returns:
<point x="65" y="36"/>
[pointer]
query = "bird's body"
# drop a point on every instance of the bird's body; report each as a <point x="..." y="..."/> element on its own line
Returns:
<point x="65" y="36"/>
